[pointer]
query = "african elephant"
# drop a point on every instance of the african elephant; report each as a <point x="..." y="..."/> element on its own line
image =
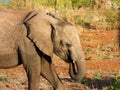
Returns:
<point x="31" y="38"/>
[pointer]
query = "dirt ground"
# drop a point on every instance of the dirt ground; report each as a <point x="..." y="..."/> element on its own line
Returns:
<point x="100" y="74"/>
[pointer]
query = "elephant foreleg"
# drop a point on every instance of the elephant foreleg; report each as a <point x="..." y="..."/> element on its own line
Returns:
<point x="33" y="74"/>
<point x="31" y="63"/>
<point x="48" y="72"/>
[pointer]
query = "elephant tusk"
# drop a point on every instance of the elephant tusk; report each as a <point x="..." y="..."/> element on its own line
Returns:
<point x="75" y="69"/>
<point x="73" y="61"/>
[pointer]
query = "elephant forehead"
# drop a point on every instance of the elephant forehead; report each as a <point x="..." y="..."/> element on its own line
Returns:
<point x="71" y="36"/>
<point x="70" y="33"/>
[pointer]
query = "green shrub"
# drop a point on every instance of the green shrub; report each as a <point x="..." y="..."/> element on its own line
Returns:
<point x="116" y="3"/>
<point x="78" y="20"/>
<point x="112" y="17"/>
<point x="89" y="49"/>
<point x="116" y="84"/>
<point x="82" y="3"/>
<point x="98" y="76"/>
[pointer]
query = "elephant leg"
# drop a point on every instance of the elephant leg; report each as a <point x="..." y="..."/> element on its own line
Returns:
<point x="48" y="72"/>
<point x="33" y="74"/>
<point x="31" y="63"/>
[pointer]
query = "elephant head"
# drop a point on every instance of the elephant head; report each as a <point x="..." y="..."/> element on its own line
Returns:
<point x="51" y="34"/>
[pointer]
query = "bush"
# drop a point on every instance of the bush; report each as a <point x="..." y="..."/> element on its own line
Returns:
<point x="78" y="20"/>
<point x="112" y="18"/>
<point x="116" y="84"/>
<point x="82" y="3"/>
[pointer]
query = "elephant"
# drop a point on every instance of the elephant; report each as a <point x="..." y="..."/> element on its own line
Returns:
<point x="32" y="37"/>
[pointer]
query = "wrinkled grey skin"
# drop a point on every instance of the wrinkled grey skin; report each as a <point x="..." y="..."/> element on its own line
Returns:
<point x="30" y="38"/>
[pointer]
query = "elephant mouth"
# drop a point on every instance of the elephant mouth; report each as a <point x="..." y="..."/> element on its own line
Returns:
<point x="69" y="59"/>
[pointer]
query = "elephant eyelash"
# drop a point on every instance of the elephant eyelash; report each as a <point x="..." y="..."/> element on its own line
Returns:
<point x="68" y="45"/>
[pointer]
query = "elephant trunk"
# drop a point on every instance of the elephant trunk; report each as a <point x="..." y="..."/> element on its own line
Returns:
<point x="77" y="70"/>
<point x="77" y="66"/>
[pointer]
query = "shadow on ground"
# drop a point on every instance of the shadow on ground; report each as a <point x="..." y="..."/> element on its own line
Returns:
<point x="98" y="84"/>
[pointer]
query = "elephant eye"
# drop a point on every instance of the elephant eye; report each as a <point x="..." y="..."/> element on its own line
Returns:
<point x="68" y="45"/>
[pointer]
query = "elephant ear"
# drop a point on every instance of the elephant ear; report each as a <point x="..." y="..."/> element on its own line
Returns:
<point x="39" y="31"/>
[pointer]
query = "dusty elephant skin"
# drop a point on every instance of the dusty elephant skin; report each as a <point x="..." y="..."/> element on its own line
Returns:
<point x="30" y="38"/>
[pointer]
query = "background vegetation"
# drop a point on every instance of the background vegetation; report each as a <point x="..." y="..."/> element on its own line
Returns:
<point x="88" y="14"/>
